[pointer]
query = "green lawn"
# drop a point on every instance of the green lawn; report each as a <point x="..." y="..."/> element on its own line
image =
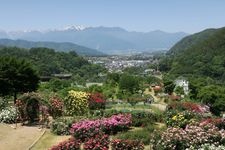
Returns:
<point x="48" y="140"/>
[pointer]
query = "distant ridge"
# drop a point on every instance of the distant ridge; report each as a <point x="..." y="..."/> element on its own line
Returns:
<point x="65" y="46"/>
<point x="110" y="40"/>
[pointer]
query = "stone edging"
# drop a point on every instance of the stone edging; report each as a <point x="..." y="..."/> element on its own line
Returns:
<point x="32" y="145"/>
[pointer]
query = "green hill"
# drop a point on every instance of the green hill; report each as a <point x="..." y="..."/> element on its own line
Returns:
<point x="201" y="54"/>
<point x="47" y="62"/>
<point x="66" y="46"/>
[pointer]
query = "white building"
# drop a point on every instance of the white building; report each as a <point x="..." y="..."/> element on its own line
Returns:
<point x="182" y="82"/>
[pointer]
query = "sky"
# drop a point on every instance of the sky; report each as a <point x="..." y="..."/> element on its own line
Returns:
<point x="133" y="15"/>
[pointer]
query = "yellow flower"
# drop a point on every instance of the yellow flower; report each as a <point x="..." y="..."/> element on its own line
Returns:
<point x="174" y="117"/>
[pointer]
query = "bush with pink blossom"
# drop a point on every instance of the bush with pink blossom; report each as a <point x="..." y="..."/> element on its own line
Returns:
<point x="89" y="128"/>
<point x="98" y="142"/>
<point x="70" y="144"/>
<point x="193" y="135"/>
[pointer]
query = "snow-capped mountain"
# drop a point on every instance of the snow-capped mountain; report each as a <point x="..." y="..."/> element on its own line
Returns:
<point x="73" y="27"/>
<point x="105" y="39"/>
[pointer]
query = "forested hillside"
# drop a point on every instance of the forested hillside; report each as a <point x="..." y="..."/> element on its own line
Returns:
<point x="48" y="61"/>
<point x="201" y="54"/>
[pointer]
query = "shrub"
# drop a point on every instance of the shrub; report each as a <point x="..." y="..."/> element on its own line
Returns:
<point x="76" y="103"/>
<point x="89" y="128"/>
<point x="139" y="135"/>
<point x="194" y="107"/>
<point x="98" y="142"/>
<point x="96" y="101"/>
<point x="119" y="144"/>
<point x="70" y="144"/>
<point x="175" y="118"/>
<point x="139" y="118"/>
<point x="61" y="126"/>
<point x="192" y="135"/>
<point x="142" y="118"/>
<point x="218" y="122"/>
<point x="3" y="103"/>
<point x="8" y="115"/>
<point x="56" y="107"/>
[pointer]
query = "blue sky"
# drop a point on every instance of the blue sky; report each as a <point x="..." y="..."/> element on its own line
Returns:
<point x="134" y="15"/>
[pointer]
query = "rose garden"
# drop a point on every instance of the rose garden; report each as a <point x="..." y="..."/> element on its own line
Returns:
<point x="93" y="123"/>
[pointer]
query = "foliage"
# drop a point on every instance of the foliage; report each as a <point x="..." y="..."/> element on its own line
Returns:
<point x="76" y="103"/>
<point x="179" y="90"/>
<point x="135" y="98"/>
<point x="213" y="96"/>
<point x="3" y="103"/>
<point x="56" y="107"/>
<point x="96" y="101"/>
<point x="16" y="76"/>
<point x="62" y="125"/>
<point x="168" y="85"/>
<point x="47" y="62"/>
<point x="98" y="142"/>
<point x="129" y="83"/>
<point x="138" y="135"/>
<point x="119" y="144"/>
<point x="203" y="57"/>
<point x="89" y="128"/>
<point x="70" y="144"/>
<point x="58" y="84"/>
<point x="8" y="115"/>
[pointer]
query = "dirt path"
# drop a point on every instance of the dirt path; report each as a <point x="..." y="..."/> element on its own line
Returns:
<point x="20" y="138"/>
<point x="158" y="103"/>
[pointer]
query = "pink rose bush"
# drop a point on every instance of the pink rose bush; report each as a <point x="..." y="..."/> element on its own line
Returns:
<point x="98" y="142"/>
<point x="192" y="135"/>
<point x="70" y="144"/>
<point x="89" y="128"/>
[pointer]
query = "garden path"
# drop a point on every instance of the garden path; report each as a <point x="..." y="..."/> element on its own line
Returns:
<point x="158" y="103"/>
<point x="20" y="138"/>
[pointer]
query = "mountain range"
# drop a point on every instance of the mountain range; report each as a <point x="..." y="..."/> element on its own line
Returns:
<point x="65" y="46"/>
<point x="105" y="39"/>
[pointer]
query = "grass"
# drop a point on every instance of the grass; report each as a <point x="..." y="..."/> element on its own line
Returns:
<point x="48" y="140"/>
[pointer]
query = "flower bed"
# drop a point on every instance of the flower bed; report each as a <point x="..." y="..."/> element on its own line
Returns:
<point x="192" y="135"/>
<point x="175" y="118"/>
<point x="194" y="107"/>
<point x="70" y="144"/>
<point x="139" y="117"/>
<point x="89" y="128"/>
<point x="98" y="142"/>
